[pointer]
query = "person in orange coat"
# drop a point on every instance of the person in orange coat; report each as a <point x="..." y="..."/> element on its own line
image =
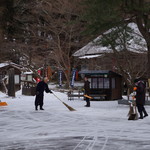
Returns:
<point x="140" y="98"/>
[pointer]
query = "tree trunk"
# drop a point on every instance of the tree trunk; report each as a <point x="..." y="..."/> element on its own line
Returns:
<point x="148" y="63"/>
<point x="67" y="75"/>
<point x="11" y="84"/>
<point x="143" y="29"/>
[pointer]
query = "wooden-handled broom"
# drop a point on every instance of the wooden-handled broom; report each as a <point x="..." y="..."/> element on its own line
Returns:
<point x="69" y="107"/>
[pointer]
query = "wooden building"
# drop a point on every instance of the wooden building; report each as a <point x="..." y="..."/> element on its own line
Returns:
<point x="28" y="83"/>
<point x="104" y="84"/>
<point x="4" y="75"/>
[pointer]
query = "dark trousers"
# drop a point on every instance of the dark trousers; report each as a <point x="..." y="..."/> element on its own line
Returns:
<point x="141" y="110"/>
<point x="39" y="100"/>
<point x="87" y="101"/>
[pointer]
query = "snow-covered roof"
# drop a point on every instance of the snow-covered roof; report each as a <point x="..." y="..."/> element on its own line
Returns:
<point x="5" y="64"/>
<point x="93" y="71"/>
<point x="98" y="72"/>
<point x="90" y="56"/>
<point x="136" y="44"/>
<point x="28" y="72"/>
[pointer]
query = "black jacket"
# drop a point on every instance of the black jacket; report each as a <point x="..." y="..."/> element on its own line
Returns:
<point x="86" y="87"/>
<point x="140" y="93"/>
<point x="41" y="87"/>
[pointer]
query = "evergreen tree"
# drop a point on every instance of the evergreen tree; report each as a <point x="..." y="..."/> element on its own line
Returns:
<point x="102" y="15"/>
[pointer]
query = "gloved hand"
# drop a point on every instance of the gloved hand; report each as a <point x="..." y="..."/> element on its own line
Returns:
<point x="83" y="89"/>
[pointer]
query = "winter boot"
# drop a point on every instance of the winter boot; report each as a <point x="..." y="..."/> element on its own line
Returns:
<point x="41" y="108"/>
<point x="36" y="108"/>
<point x="145" y="113"/>
<point x="141" y="115"/>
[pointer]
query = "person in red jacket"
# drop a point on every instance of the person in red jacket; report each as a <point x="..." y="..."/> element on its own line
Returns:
<point x="41" y="87"/>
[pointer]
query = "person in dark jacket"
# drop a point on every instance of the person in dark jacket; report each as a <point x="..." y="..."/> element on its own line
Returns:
<point x="41" y="87"/>
<point x="87" y="91"/>
<point x="140" y="98"/>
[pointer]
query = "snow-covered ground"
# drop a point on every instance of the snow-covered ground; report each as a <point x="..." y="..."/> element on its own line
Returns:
<point x="103" y="126"/>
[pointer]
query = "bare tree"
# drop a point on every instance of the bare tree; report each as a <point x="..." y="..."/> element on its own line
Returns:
<point x="128" y="48"/>
<point x="60" y="26"/>
<point x="48" y="30"/>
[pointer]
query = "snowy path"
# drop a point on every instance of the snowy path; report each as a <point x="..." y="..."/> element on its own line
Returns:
<point x="103" y="126"/>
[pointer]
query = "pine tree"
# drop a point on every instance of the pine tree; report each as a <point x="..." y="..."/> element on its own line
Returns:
<point x="102" y="15"/>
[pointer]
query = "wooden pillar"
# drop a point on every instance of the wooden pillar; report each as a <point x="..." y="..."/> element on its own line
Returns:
<point x="11" y="83"/>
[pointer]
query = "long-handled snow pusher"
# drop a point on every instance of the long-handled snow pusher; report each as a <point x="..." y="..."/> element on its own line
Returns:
<point x="88" y="96"/>
<point x="133" y="115"/>
<point x="3" y="103"/>
<point x="69" y="107"/>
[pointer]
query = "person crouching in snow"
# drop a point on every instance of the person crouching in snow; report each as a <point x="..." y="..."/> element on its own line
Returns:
<point x="41" y="87"/>
<point x="87" y="91"/>
<point x="140" y="98"/>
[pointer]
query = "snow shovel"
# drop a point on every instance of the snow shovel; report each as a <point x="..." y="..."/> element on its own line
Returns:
<point x="133" y="115"/>
<point x="3" y="104"/>
<point x="69" y="107"/>
<point x="88" y="96"/>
